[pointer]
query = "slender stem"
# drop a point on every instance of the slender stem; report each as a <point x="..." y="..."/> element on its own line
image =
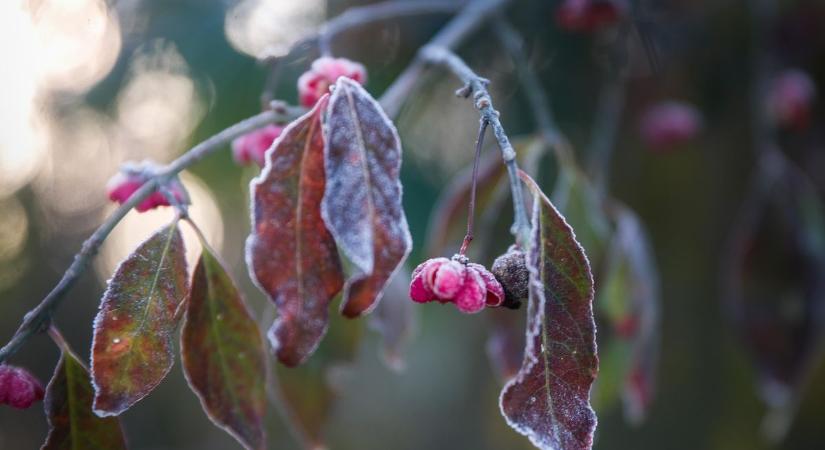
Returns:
<point x="605" y="129"/>
<point x="477" y="87"/>
<point x="38" y="319"/>
<point x="536" y="95"/>
<point x="472" y="206"/>
<point x="451" y="36"/>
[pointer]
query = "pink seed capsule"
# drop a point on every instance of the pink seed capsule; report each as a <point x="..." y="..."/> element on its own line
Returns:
<point x="124" y="184"/>
<point x="470" y="286"/>
<point x="790" y="99"/>
<point x="589" y="15"/>
<point x="668" y="124"/>
<point x="325" y="71"/>
<point x="252" y="146"/>
<point x="19" y="388"/>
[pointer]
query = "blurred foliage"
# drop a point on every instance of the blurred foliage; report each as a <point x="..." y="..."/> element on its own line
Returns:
<point x="448" y="396"/>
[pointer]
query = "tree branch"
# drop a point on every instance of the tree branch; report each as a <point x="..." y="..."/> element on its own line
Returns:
<point x="452" y="35"/>
<point x="39" y="318"/>
<point x="477" y="87"/>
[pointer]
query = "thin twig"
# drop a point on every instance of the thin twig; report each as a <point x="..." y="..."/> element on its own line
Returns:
<point x="452" y="35"/>
<point x="377" y="12"/>
<point x="605" y="129"/>
<point x="38" y="319"/>
<point x="471" y="209"/>
<point x="536" y="95"/>
<point x="477" y="87"/>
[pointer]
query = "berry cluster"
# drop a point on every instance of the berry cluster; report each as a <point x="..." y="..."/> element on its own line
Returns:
<point x="470" y="286"/>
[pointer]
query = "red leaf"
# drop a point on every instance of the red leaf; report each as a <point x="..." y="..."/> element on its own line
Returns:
<point x="362" y="202"/>
<point x="132" y="347"/>
<point x="223" y="354"/>
<point x="68" y="403"/>
<point x="291" y="254"/>
<point x="549" y="400"/>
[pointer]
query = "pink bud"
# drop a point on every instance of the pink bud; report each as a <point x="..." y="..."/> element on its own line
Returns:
<point x="123" y="184"/>
<point x="668" y="124"/>
<point x="252" y="146"/>
<point x="325" y="71"/>
<point x="19" y="388"/>
<point x="790" y="99"/>
<point x="589" y="15"/>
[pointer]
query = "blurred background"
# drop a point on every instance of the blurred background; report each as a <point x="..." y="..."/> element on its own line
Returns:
<point x="89" y="84"/>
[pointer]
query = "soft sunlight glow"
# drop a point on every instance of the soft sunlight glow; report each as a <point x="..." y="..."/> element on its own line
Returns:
<point x="263" y="28"/>
<point x="137" y="227"/>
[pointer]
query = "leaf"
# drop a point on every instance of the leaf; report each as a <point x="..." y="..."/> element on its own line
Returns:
<point x="309" y="392"/>
<point x="548" y="401"/>
<point x="223" y="354"/>
<point x="132" y="348"/>
<point x="775" y="285"/>
<point x="394" y="319"/>
<point x="68" y="404"/>
<point x="290" y="253"/>
<point x="362" y="202"/>
<point x="628" y="300"/>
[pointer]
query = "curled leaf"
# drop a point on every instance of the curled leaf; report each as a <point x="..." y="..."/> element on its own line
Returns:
<point x="68" y="404"/>
<point x="290" y="252"/>
<point x="775" y="285"/>
<point x="362" y="201"/>
<point x="394" y="319"/>
<point x="132" y="349"/>
<point x="223" y="354"/>
<point x="549" y="399"/>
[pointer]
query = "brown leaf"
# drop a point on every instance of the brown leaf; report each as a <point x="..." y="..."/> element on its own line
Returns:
<point x="362" y="202"/>
<point x="223" y="354"/>
<point x="291" y="254"/>
<point x="68" y="404"/>
<point x="132" y="349"/>
<point x="548" y="401"/>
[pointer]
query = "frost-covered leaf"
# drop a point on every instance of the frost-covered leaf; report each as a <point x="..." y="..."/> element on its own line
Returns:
<point x="362" y="202"/>
<point x="132" y="349"/>
<point x="290" y="252"/>
<point x="68" y="404"/>
<point x="776" y="285"/>
<point x="309" y="391"/>
<point x="627" y="299"/>
<point x="549" y="400"/>
<point x="223" y="353"/>
<point x="394" y="319"/>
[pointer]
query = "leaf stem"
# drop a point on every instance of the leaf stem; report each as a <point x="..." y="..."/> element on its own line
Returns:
<point x="472" y="206"/>
<point x="38" y="319"/>
<point x="477" y="87"/>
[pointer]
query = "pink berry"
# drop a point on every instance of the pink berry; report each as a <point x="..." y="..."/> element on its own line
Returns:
<point x="668" y="124"/>
<point x="470" y="286"/>
<point x="19" y="388"/>
<point x="589" y="15"/>
<point x="121" y="187"/>
<point x="252" y="146"/>
<point x="325" y="71"/>
<point x="790" y="99"/>
<point x="472" y="296"/>
<point x="494" y="295"/>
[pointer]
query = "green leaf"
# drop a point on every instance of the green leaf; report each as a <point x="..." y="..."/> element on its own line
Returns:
<point x="132" y="349"/>
<point x="223" y="354"/>
<point x="549" y="399"/>
<point x="68" y="404"/>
